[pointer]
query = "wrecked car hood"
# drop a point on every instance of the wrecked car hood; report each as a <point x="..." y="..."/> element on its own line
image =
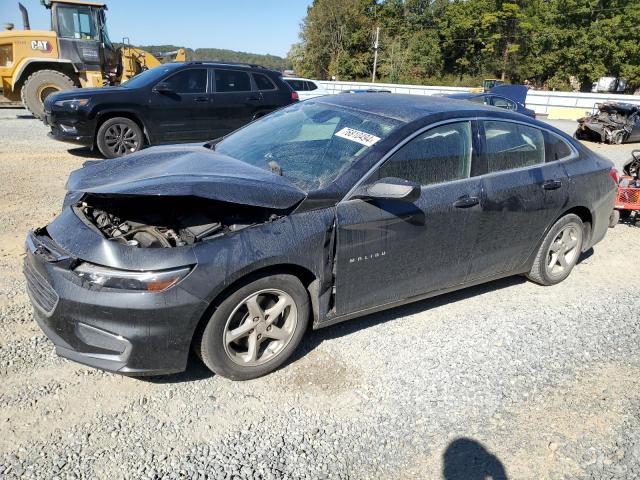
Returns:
<point x="517" y="93"/>
<point x="186" y="170"/>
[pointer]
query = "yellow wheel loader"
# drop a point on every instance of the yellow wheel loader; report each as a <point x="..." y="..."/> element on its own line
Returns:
<point x="75" y="53"/>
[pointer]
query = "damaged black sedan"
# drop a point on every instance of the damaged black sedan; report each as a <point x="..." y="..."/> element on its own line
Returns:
<point x="318" y="213"/>
<point x="613" y="123"/>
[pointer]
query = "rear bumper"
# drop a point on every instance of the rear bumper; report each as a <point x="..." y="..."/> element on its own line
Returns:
<point x="132" y="333"/>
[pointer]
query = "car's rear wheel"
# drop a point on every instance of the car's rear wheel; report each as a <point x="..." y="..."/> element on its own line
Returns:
<point x="119" y="136"/>
<point x="256" y="328"/>
<point x="559" y="251"/>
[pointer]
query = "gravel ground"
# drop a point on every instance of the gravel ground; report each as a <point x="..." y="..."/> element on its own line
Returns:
<point x="507" y="379"/>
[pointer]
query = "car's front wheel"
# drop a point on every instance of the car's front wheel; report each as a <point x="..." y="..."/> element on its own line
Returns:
<point x="119" y="136"/>
<point x="256" y="328"/>
<point x="559" y="251"/>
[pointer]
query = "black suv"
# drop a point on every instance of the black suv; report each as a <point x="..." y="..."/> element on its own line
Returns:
<point x="172" y="103"/>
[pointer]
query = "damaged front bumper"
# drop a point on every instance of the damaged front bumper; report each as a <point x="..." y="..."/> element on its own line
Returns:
<point x="128" y="332"/>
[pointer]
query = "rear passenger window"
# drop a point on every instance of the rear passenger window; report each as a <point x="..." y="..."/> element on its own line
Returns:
<point x="189" y="81"/>
<point x="263" y="82"/>
<point x="297" y="85"/>
<point x="503" y="103"/>
<point x="232" y="81"/>
<point x="439" y="155"/>
<point x="311" y="86"/>
<point x="555" y="148"/>
<point x="512" y="145"/>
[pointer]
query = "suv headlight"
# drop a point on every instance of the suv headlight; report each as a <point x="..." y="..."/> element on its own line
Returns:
<point x="72" y="104"/>
<point x="157" y="281"/>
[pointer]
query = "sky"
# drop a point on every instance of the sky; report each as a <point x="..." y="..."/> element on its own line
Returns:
<point x="267" y="26"/>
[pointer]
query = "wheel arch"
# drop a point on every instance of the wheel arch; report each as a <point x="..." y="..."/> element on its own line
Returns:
<point x="587" y="219"/>
<point x="30" y="65"/>
<point x="104" y="115"/>
<point x="308" y="279"/>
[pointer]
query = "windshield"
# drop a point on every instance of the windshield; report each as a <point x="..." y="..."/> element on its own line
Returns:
<point x="309" y="143"/>
<point x="76" y="22"/>
<point x="149" y="76"/>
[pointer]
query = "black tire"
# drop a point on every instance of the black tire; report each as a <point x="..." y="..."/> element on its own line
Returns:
<point x="119" y="136"/>
<point x="614" y="218"/>
<point x="219" y="356"/>
<point x="541" y="272"/>
<point x="39" y="86"/>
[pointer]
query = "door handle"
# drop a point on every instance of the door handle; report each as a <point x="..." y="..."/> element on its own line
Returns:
<point x="253" y="98"/>
<point x="466" y="202"/>
<point x="201" y="99"/>
<point x="552" y="184"/>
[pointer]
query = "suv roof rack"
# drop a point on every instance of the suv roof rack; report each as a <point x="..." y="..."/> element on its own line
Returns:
<point x="221" y="62"/>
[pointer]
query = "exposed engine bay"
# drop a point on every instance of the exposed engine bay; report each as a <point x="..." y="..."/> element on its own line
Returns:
<point x="165" y="222"/>
<point x="613" y="123"/>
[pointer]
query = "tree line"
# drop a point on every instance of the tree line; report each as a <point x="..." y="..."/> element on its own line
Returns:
<point x="224" y="55"/>
<point x="554" y="44"/>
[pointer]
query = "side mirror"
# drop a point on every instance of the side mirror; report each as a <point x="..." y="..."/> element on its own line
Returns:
<point x="394" y="189"/>
<point x="163" y="87"/>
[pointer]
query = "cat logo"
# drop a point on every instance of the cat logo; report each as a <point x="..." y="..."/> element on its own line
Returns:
<point x="42" y="45"/>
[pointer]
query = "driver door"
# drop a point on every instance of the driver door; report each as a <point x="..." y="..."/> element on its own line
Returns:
<point x="391" y="250"/>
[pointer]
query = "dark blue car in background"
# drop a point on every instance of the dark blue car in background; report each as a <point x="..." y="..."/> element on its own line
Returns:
<point x="509" y="97"/>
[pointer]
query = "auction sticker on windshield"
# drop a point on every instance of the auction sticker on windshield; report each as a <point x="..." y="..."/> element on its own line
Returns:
<point x="354" y="135"/>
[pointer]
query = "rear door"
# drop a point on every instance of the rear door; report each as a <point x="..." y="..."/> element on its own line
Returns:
<point x="523" y="193"/>
<point x="392" y="250"/>
<point x="271" y="96"/>
<point x="183" y="113"/>
<point x="235" y="100"/>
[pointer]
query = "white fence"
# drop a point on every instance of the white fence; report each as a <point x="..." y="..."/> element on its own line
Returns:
<point x="538" y="100"/>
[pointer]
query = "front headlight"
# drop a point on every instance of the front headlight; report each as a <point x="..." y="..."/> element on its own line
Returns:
<point x="72" y="104"/>
<point x="130" y="280"/>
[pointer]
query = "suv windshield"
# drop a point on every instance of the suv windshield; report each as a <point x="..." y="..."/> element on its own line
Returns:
<point x="309" y="143"/>
<point x="149" y="76"/>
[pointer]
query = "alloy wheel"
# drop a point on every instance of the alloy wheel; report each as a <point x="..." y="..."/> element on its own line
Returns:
<point x="121" y="139"/>
<point x="260" y="327"/>
<point x="564" y="250"/>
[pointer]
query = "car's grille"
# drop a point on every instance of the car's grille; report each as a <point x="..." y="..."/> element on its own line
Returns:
<point x="42" y="294"/>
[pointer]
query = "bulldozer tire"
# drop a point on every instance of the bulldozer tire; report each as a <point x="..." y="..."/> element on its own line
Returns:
<point x="39" y="86"/>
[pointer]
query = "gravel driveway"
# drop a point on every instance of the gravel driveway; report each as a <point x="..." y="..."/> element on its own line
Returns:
<point x="508" y="379"/>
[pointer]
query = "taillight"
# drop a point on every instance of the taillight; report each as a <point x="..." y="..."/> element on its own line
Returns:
<point x="294" y="96"/>
<point x="613" y="173"/>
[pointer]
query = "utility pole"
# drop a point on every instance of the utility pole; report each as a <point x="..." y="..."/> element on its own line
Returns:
<point x="375" y="55"/>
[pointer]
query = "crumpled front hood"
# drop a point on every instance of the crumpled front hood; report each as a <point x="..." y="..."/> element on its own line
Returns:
<point x="186" y="170"/>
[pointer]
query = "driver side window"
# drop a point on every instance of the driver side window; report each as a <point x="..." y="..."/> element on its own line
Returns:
<point x="441" y="154"/>
<point x="188" y="81"/>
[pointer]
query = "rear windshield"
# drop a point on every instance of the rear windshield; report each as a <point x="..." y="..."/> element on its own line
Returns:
<point x="309" y="143"/>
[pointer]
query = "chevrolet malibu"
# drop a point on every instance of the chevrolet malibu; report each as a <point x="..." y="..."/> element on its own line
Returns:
<point x="323" y="211"/>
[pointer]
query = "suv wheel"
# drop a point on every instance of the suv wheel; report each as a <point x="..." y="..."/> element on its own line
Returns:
<point x="559" y="251"/>
<point x="256" y="328"/>
<point x="119" y="136"/>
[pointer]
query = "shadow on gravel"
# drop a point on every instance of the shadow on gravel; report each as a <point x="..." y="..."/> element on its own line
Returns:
<point x="195" y="371"/>
<point x="85" y="152"/>
<point x="466" y="459"/>
<point x="25" y="117"/>
<point x="314" y="338"/>
<point x="585" y="255"/>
